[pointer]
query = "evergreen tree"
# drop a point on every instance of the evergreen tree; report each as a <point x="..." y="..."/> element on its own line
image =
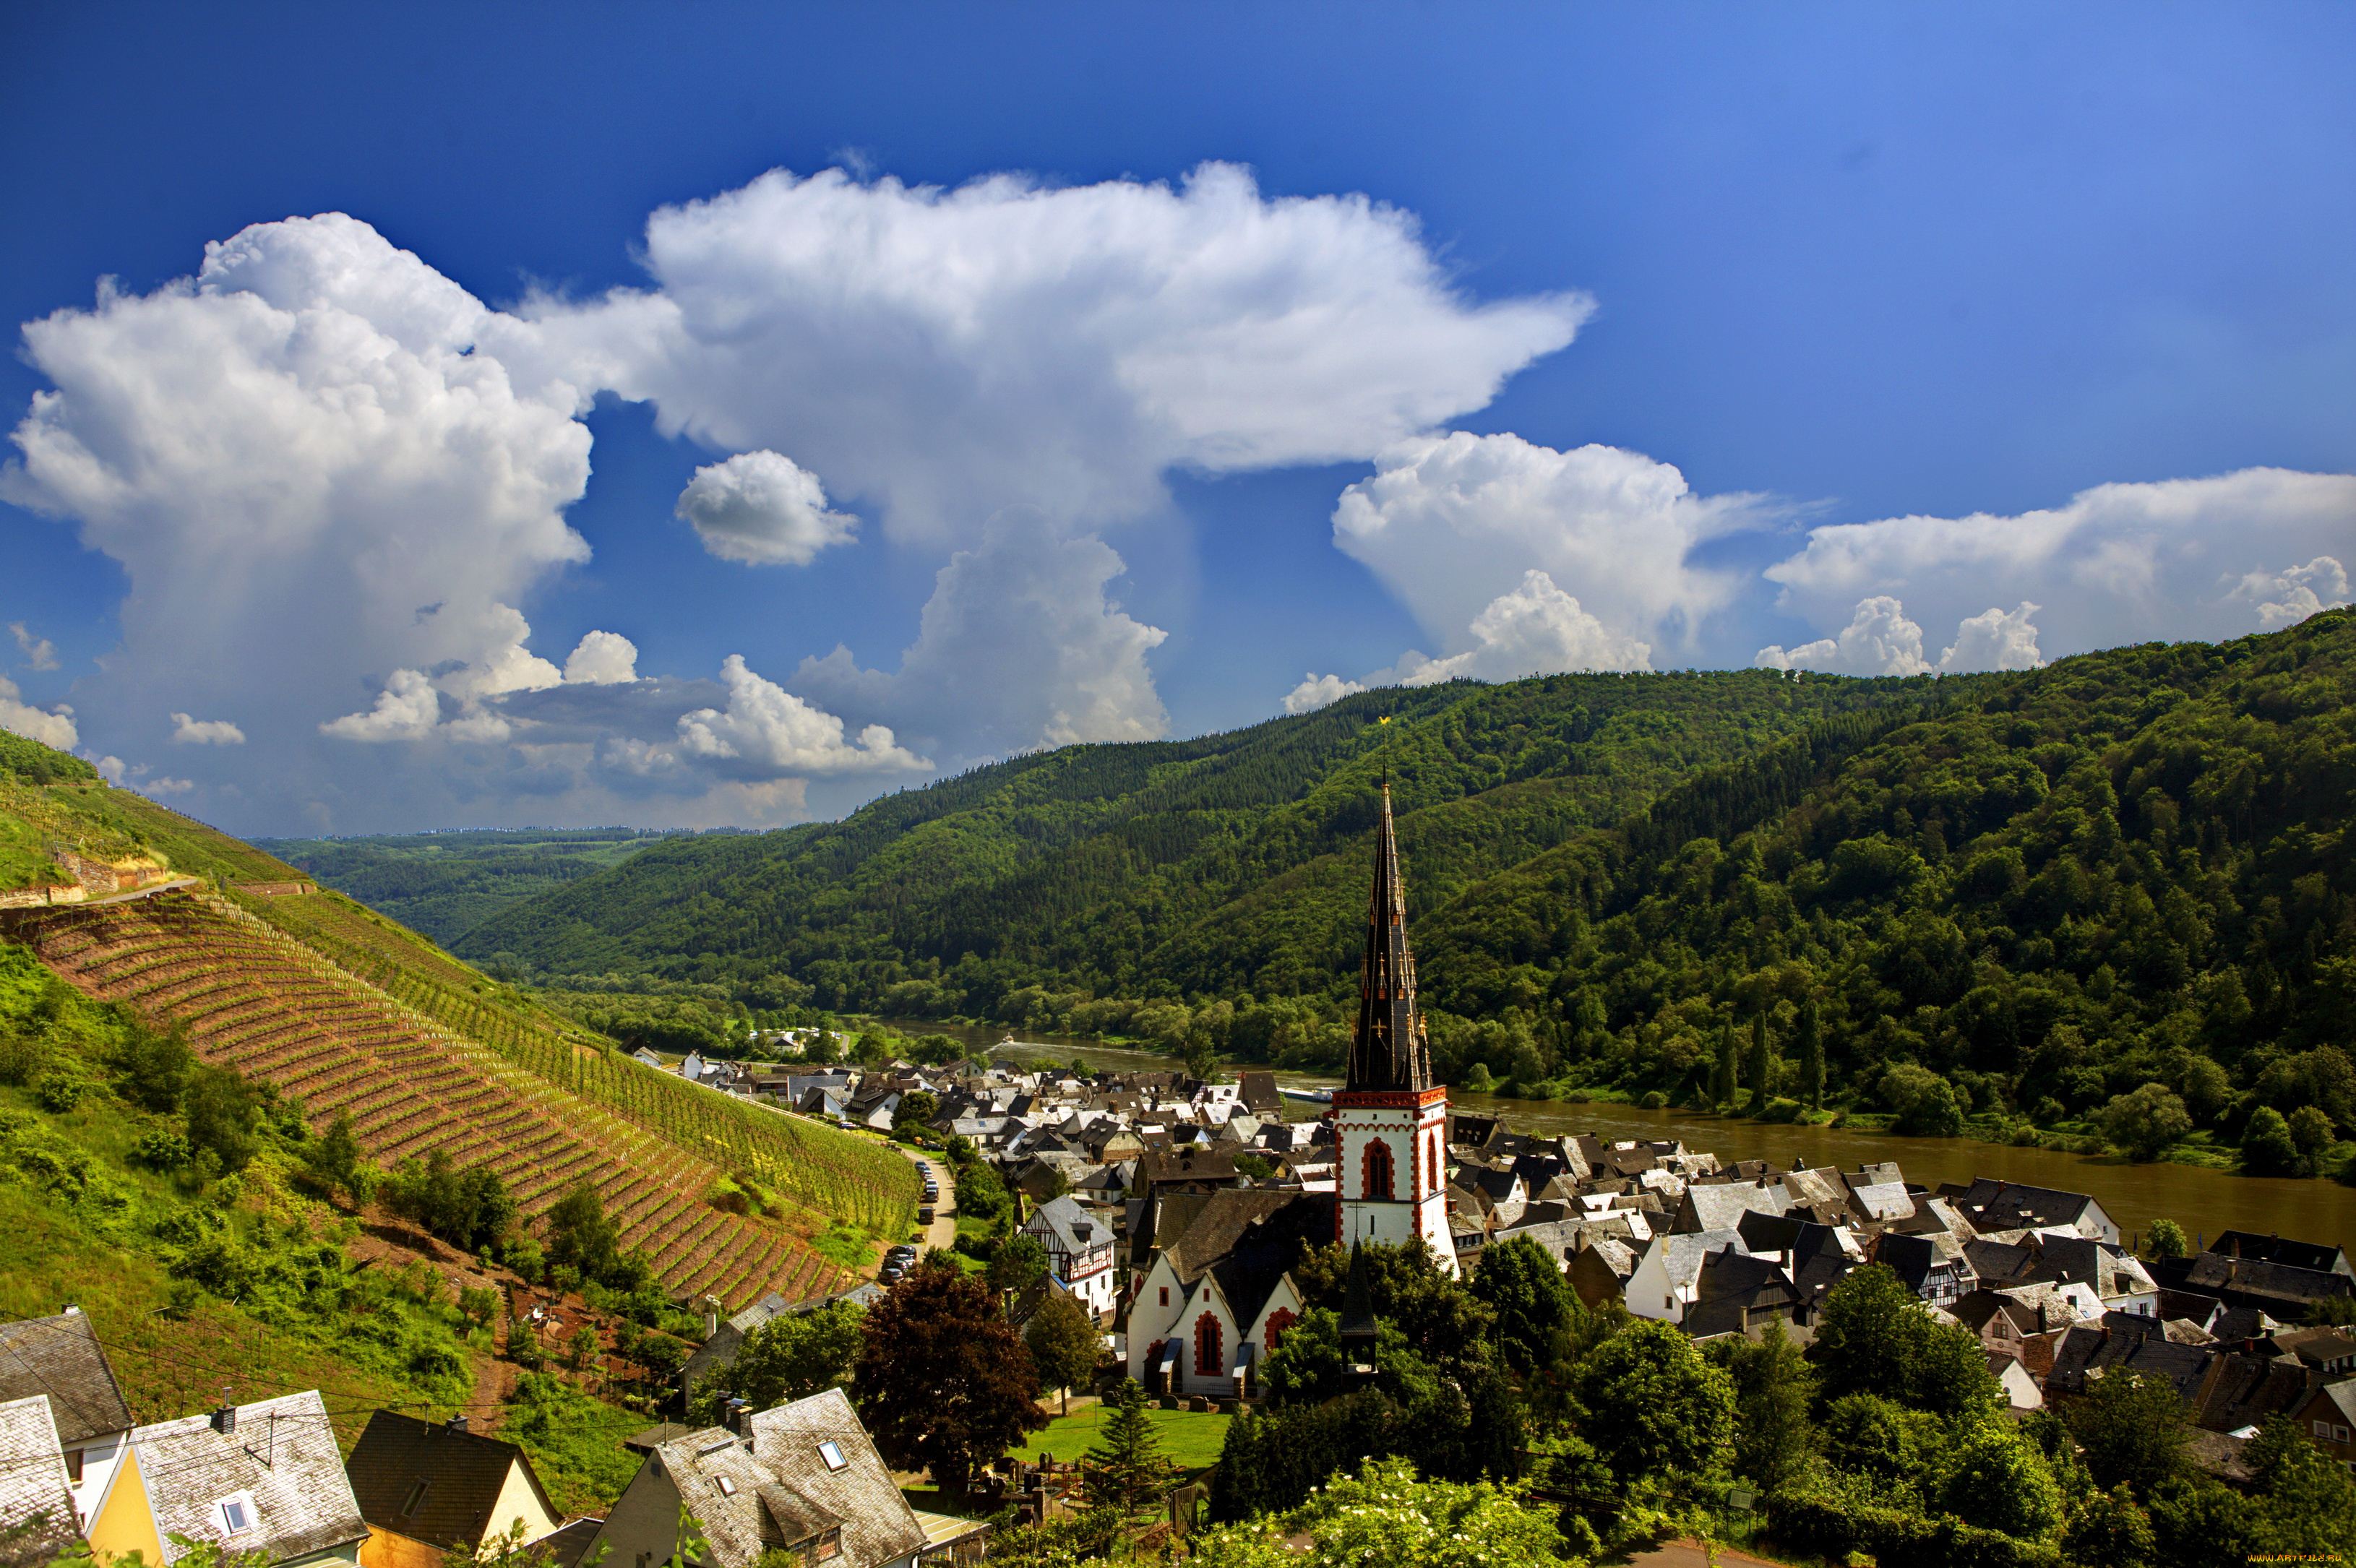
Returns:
<point x="1812" y="1056"/>
<point x="1761" y="1078"/>
<point x="1126" y="1469"/>
<point x="1722" y="1084"/>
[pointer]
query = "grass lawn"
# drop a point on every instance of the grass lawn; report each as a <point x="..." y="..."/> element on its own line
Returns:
<point x="1189" y="1441"/>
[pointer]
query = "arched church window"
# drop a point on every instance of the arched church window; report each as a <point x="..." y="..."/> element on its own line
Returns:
<point x="1378" y="1169"/>
<point x="1210" y="1347"/>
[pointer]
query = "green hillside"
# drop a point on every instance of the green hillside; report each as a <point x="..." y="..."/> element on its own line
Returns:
<point x="2134" y="867"/>
<point x="353" y="1019"/>
<point x="1212" y="868"/>
<point x="2027" y="894"/>
<point x="446" y="884"/>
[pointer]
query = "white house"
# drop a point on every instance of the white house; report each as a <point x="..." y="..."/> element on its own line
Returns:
<point x="1667" y="1275"/>
<point x="1081" y="1249"/>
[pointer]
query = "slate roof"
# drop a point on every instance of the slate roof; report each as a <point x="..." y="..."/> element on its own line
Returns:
<point x="464" y="1474"/>
<point x="565" y="1547"/>
<point x="2253" y="1282"/>
<point x="2247" y="1388"/>
<point x="1993" y="1205"/>
<point x="61" y="1357"/>
<point x="1681" y="1255"/>
<point x="1262" y="1249"/>
<point x="2314" y="1255"/>
<point x="1074" y="1228"/>
<point x="33" y="1480"/>
<point x="1721" y="1207"/>
<point x="281" y="1453"/>
<point x="2086" y="1352"/>
<point x="877" y="1523"/>
<point x="1227" y="1216"/>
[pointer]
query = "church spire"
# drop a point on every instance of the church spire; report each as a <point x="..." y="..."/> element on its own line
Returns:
<point x="1388" y="1051"/>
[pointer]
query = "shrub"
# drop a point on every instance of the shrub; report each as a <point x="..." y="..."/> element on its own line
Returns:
<point x="163" y="1149"/>
<point x="58" y="1093"/>
<point x="1655" y="1101"/>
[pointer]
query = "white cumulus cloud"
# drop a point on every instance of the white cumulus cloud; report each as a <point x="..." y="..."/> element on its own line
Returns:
<point x="2285" y="598"/>
<point x="946" y="354"/>
<point x="1880" y="640"/>
<point x="188" y="731"/>
<point x="767" y="730"/>
<point x="1536" y="629"/>
<point x="1319" y="691"/>
<point x="1995" y="639"/>
<point x="408" y="709"/>
<point x="50" y="728"/>
<point x="1453" y="523"/>
<point x="2119" y="563"/>
<point x="602" y="658"/>
<point x="763" y="509"/>
<point x="306" y="445"/>
<point x="40" y="654"/>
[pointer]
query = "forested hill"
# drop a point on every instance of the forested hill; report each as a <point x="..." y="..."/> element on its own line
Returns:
<point x="1228" y="866"/>
<point x="2134" y="867"/>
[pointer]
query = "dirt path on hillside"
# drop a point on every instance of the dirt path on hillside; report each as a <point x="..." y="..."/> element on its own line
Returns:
<point x="942" y="1231"/>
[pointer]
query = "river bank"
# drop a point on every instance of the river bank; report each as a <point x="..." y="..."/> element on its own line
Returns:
<point x="2203" y="1201"/>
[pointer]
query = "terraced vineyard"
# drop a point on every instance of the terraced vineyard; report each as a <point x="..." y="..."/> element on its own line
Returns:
<point x="360" y="1017"/>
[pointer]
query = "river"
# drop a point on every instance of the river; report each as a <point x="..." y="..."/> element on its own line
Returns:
<point x="2203" y="1201"/>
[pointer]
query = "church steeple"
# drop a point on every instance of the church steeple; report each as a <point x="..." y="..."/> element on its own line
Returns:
<point x="1390" y="1049"/>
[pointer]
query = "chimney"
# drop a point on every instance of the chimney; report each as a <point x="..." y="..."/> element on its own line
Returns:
<point x="225" y="1420"/>
<point x="711" y="1317"/>
<point x="458" y="1424"/>
<point x="739" y="1415"/>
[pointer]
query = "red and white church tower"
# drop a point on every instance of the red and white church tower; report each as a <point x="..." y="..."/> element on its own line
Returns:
<point x="1390" y="1121"/>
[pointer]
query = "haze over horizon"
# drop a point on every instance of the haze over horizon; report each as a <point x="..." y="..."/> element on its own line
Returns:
<point x="728" y="417"/>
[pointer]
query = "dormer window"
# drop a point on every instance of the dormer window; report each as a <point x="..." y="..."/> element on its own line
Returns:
<point x="832" y="1452"/>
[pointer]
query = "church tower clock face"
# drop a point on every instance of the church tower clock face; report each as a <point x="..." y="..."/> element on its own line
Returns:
<point x="1390" y="1121"/>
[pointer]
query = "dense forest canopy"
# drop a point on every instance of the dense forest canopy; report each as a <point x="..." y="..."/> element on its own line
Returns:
<point x="1216" y="867"/>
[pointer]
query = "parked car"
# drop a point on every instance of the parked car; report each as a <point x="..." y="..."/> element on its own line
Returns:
<point x="925" y="1215"/>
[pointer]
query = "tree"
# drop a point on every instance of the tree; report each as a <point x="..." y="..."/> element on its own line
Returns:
<point x="2107" y="1530"/>
<point x="2267" y="1148"/>
<point x="1386" y="1515"/>
<point x="916" y="1108"/>
<point x="2307" y="1503"/>
<point x="2166" y="1238"/>
<point x="2134" y="1430"/>
<point x="1874" y="1336"/>
<point x="582" y="1237"/>
<point x="154" y="1066"/>
<point x="941" y="1380"/>
<point x="1997" y="1480"/>
<point x="789" y="1358"/>
<point x="584" y="1346"/>
<point x="334" y="1160"/>
<point x="1534" y="1304"/>
<point x="2145" y="1122"/>
<point x="1868" y="1436"/>
<point x="1773" y="1388"/>
<point x="2311" y="1133"/>
<point x="478" y="1305"/>
<point x="1762" y="1076"/>
<point x="1722" y="1082"/>
<point x="1812" y="1056"/>
<point x="1201" y="1058"/>
<point x="224" y="1113"/>
<point x="1652" y="1405"/>
<point x="1019" y="1262"/>
<point x="1126" y="1469"/>
<point x="1064" y="1345"/>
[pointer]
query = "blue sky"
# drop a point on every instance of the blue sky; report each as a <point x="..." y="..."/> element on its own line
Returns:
<point x="1881" y="323"/>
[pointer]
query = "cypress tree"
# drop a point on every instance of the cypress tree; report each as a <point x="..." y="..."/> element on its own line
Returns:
<point x="1760" y="1078"/>
<point x="1812" y="1056"/>
<point x="1722" y="1090"/>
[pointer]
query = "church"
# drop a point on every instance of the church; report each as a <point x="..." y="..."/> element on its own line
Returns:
<point x="1219" y="1293"/>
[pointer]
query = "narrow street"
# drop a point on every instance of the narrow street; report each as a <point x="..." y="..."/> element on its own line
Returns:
<point x="942" y="1231"/>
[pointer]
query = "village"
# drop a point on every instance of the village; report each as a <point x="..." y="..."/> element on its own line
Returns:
<point x="1177" y="1215"/>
